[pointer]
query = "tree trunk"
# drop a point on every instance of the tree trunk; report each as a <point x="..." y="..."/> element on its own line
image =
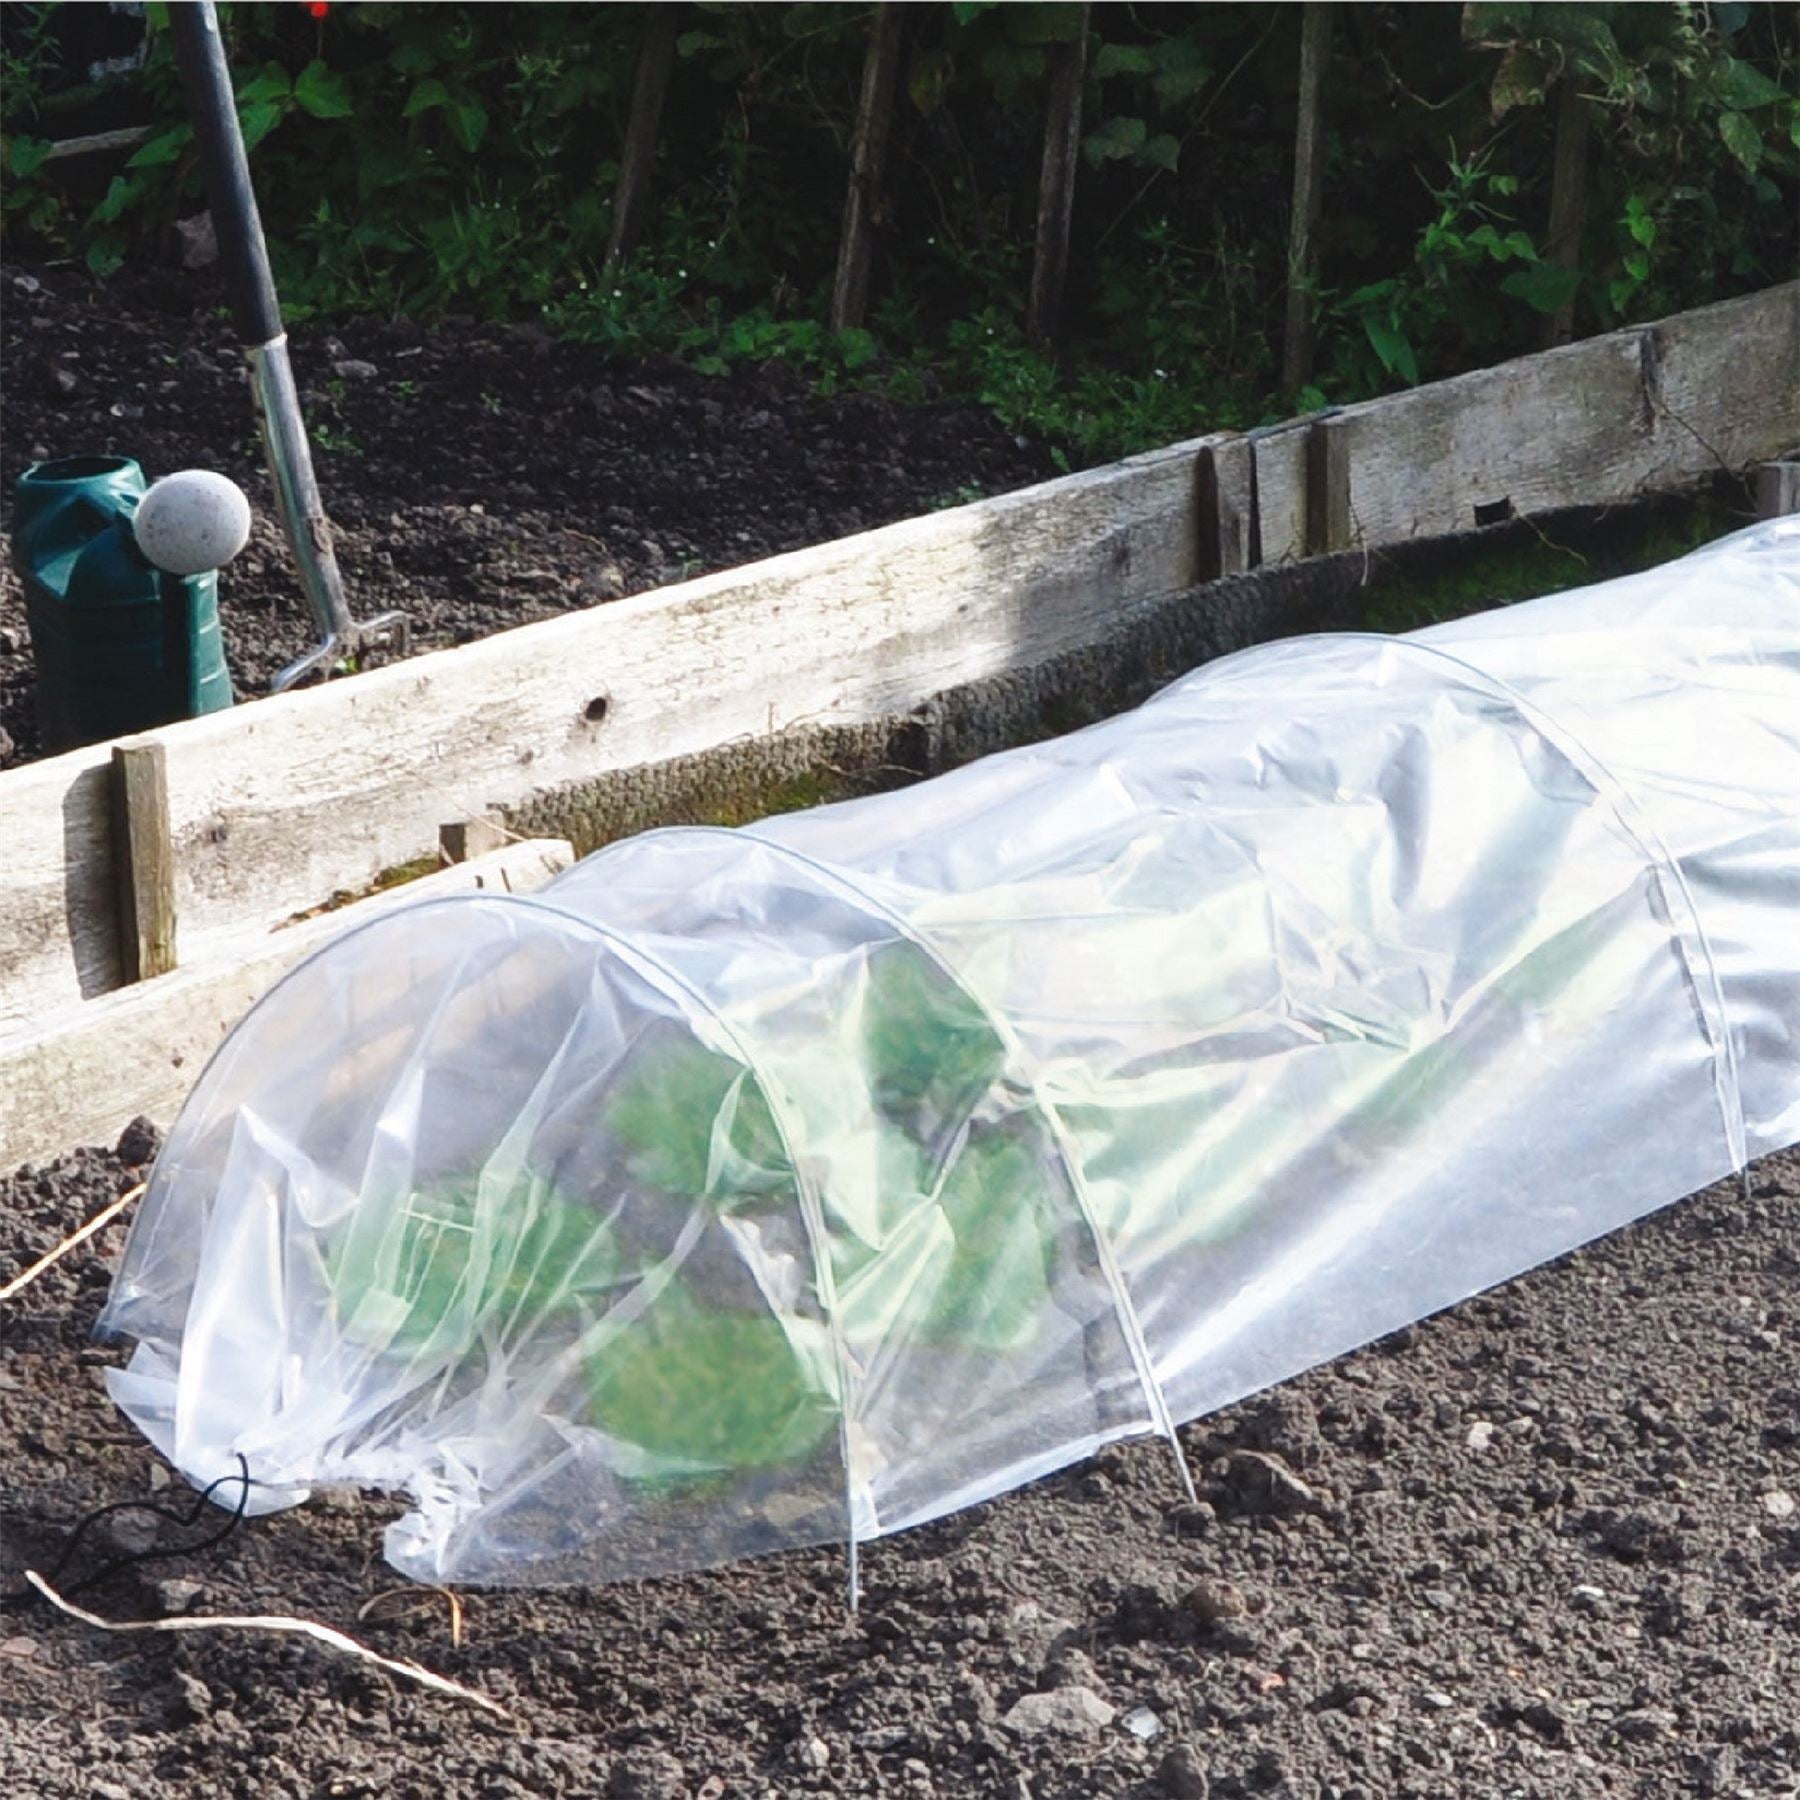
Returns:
<point x="1309" y="174"/>
<point x="655" y="61"/>
<point x="1056" y="186"/>
<point x="1568" y="201"/>
<point x="868" y="152"/>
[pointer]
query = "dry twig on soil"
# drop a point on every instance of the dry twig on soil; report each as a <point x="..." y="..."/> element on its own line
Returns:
<point x="103" y="1217"/>
<point x="281" y="1623"/>
<point x="417" y="1596"/>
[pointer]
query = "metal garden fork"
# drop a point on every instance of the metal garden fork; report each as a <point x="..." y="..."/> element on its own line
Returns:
<point x="244" y="257"/>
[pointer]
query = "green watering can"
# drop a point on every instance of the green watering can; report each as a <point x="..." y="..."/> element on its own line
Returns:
<point x="120" y="643"/>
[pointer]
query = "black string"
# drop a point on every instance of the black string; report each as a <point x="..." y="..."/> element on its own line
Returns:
<point x="134" y="1558"/>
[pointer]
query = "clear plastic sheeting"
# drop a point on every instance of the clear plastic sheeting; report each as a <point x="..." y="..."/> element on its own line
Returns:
<point x="750" y="1189"/>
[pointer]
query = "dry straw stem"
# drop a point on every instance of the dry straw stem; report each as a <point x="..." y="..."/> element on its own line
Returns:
<point x="416" y="1597"/>
<point x="103" y="1217"/>
<point x="279" y="1623"/>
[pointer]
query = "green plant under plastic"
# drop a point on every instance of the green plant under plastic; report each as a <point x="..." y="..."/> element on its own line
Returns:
<point x="672" y="1367"/>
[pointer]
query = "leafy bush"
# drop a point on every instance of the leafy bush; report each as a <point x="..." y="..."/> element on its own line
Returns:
<point x="463" y="158"/>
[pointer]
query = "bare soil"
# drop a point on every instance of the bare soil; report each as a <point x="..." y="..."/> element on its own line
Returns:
<point x="1545" y="1544"/>
<point x="477" y="476"/>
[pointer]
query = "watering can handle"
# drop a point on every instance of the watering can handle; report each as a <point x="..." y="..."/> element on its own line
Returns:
<point x="243" y="256"/>
<point x="178" y="618"/>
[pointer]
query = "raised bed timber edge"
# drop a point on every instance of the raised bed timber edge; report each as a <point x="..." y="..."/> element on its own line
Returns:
<point x="576" y="725"/>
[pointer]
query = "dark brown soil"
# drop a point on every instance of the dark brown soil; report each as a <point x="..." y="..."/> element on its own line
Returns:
<point x="477" y="476"/>
<point x="1550" y="1549"/>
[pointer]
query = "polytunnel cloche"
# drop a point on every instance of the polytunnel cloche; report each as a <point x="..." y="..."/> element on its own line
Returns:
<point x="757" y="1188"/>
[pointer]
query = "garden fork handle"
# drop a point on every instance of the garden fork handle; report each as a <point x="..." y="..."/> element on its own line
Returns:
<point x="244" y="257"/>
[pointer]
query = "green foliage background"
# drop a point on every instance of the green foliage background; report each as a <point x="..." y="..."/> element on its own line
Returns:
<point x="431" y="158"/>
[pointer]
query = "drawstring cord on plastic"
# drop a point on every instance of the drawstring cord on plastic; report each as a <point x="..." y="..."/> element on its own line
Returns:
<point x="23" y="1596"/>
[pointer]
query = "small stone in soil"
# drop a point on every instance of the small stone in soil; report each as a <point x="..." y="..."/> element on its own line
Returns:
<point x="1436" y="1699"/>
<point x="175" y="1595"/>
<point x="196" y="1696"/>
<point x="1543" y="1719"/>
<point x="133" y="1532"/>
<point x="1212" y="1601"/>
<point x="1182" y="1775"/>
<point x="1260" y="1483"/>
<point x="1778" y="1505"/>
<point x="1142" y="1723"/>
<point x="138" y="1143"/>
<point x="1481" y="1434"/>
<point x="1072" y="1711"/>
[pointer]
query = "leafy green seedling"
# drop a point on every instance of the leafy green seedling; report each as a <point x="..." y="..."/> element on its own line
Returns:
<point x="673" y="1280"/>
<point x="430" y="1275"/>
<point x="704" y="1388"/>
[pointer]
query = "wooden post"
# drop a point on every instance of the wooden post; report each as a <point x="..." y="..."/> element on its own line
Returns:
<point x="1226" y="509"/>
<point x="143" y="860"/>
<point x="1568" y="201"/>
<point x="1056" y="186"/>
<point x="1327" y="486"/>
<point x="1777" y="490"/>
<point x="1309" y="182"/>
<point x="462" y="840"/>
<point x="655" y="61"/>
<point x="868" y="152"/>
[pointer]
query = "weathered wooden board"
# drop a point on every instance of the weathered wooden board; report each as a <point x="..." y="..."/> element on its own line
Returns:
<point x="275" y="805"/>
<point x="1726" y="382"/>
<point x="143" y="861"/>
<point x="1777" y="490"/>
<point x="1600" y="421"/>
<point x="85" y="1073"/>
<point x="1280" y="453"/>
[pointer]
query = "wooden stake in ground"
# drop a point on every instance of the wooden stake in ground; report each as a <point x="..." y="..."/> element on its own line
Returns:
<point x="868" y="152"/>
<point x="1777" y="490"/>
<point x="655" y="62"/>
<point x="462" y="840"/>
<point x="1309" y="182"/>
<point x="1056" y="185"/>
<point x="143" y="860"/>
<point x="1568" y="201"/>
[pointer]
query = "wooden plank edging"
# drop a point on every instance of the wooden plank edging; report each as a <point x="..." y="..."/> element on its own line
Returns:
<point x="84" y="1074"/>
<point x="1598" y="422"/>
<point x="273" y="805"/>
